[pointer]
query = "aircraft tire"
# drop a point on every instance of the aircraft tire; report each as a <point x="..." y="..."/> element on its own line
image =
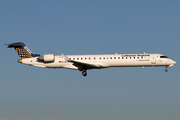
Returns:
<point x="84" y="73"/>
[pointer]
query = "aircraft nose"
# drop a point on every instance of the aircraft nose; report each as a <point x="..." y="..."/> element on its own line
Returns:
<point x="174" y="62"/>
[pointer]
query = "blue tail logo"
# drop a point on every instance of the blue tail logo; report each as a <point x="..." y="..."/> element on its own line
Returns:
<point x="22" y="50"/>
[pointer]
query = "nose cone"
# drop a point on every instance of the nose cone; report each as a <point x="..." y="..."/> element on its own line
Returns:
<point x="174" y="62"/>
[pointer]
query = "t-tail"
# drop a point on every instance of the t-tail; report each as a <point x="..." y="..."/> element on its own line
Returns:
<point x="22" y="50"/>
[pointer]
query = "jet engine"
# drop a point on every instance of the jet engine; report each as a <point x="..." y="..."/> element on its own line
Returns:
<point x="47" y="58"/>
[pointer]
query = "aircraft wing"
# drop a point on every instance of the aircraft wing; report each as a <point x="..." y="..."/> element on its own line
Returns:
<point x="81" y="64"/>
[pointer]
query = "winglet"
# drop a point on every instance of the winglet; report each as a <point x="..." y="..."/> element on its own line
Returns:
<point x="65" y="57"/>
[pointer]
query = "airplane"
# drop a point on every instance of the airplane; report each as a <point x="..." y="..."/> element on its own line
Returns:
<point x="88" y="62"/>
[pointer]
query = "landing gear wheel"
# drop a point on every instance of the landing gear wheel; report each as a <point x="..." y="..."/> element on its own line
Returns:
<point x="166" y="69"/>
<point x="84" y="73"/>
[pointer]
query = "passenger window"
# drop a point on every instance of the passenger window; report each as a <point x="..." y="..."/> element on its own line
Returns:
<point x="122" y="57"/>
<point x="81" y="58"/>
<point x="134" y="57"/>
<point x="73" y="58"/>
<point x="130" y="57"/>
<point x="104" y="57"/>
<point x="137" y="57"/>
<point x="141" y="57"/>
<point x="114" y="57"/>
<point x="118" y="57"/>
<point x="110" y="57"/>
<point x="94" y="58"/>
<point x="77" y="58"/>
<point x="100" y="58"/>
<point x="85" y="58"/>
<point x="89" y="58"/>
<point x="126" y="57"/>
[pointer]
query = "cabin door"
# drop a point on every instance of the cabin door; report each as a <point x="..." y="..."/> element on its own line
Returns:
<point x="153" y="60"/>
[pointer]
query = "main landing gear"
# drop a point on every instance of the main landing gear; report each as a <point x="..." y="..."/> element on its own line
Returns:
<point x="166" y="69"/>
<point x="83" y="69"/>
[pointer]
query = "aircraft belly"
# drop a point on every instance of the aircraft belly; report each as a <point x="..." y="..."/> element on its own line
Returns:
<point x="70" y="67"/>
<point x="56" y="65"/>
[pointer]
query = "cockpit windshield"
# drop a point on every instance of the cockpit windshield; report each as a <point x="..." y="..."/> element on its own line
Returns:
<point x="163" y="57"/>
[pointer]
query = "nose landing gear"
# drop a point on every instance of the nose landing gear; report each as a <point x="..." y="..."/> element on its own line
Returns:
<point x="166" y="69"/>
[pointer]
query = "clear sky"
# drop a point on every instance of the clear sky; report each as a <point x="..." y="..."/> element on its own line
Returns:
<point x="89" y="27"/>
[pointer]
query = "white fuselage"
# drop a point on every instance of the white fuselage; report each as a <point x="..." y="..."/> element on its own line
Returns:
<point x="104" y="61"/>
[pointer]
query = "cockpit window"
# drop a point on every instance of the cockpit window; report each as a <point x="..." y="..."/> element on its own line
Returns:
<point x="163" y="57"/>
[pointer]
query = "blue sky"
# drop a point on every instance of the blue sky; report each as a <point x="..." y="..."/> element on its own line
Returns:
<point x="89" y="27"/>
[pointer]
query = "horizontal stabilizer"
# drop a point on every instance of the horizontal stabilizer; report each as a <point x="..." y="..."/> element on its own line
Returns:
<point x="18" y="44"/>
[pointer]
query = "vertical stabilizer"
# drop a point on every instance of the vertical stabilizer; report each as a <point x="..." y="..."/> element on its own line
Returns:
<point x="22" y="50"/>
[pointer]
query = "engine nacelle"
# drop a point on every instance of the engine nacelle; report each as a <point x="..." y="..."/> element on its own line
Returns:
<point x="47" y="58"/>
